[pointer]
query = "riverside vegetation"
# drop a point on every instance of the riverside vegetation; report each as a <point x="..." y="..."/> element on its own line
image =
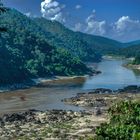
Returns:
<point x="124" y="122"/>
<point x="122" y="110"/>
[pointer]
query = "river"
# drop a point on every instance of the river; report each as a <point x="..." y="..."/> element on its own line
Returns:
<point x="113" y="76"/>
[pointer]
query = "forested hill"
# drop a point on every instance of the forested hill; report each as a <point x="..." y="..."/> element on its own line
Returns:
<point x="26" y="52"/>
<point x="133" y="43"/>
<point x="36" y="47"/>
<point x="67" y="39"/>
<point x="100" y="44"/>
<point x="71" y="40"/>
<point x="89" y="46"/>
<point x="132" y="51"/>
<point x="77" y="41"/>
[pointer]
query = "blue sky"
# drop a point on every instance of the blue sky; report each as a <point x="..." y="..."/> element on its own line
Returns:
<point x="117" y="19"/>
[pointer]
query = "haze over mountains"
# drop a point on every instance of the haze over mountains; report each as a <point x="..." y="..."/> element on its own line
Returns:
<point x="37" y="47"/>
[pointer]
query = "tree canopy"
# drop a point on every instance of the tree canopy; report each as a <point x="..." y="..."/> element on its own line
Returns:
<point x="2" y="10"/>
<point x="26" y="53"/>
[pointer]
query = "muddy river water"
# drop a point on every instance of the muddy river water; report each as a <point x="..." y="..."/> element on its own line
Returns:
<point x="113" y="76"/>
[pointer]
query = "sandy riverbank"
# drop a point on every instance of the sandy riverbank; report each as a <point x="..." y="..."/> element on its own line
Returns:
<point x="42" y="82"/>
<point x="57" y="78"/>
<point x="135" y="67"/>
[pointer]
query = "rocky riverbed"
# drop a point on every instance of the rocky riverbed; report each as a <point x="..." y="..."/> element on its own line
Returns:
<point x="55" y="124"/>
<point x="99" y="100"/>
<point x="66" y="125"/>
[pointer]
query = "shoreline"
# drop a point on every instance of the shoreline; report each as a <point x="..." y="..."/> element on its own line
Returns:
<point x="56" y="78"/>
<point x="134" y="67"/>
<point x="42" y="80"/>
<point x="110" y="57"/>
<point x="38" y="82"/>
<point x="99" y="97"/>
<point x="131" y="66"/>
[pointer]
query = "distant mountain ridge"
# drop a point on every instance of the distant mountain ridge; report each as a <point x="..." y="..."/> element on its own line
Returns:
<point x="131" y="51"/>
<point x="67" y="39"/>
<point x="96" y="43"/>
<point x="132" y="43"/>
<point x="100" y="45"/>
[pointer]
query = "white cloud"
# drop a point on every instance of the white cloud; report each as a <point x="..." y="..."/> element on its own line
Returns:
<point x="124" y="29"/>
<point x="78" y="7"/>
<point x="28" y="14"/>
<point x="124" y="22"/>
<point x="121" y="23"/>
<point x="52" y="10"/>
<point x="94" y="26"/>
<point x="78" y="26"/>
<point x="91" y="26"/>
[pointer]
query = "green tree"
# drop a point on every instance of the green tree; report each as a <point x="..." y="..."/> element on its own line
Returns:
<point x="124" y="122"/>
<point x="2" y="10"/>
<point x="137" y="60"/>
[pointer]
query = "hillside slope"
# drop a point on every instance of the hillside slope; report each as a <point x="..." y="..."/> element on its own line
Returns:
<point x="36" y="47"/>
<point x="131" y="51"/>
<point x="132" y="43"/>
<point x="25" y="52"/>
<point x="101" y="44"/>
<point x="67" y="39"/>
<point x="86" y="45"/>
